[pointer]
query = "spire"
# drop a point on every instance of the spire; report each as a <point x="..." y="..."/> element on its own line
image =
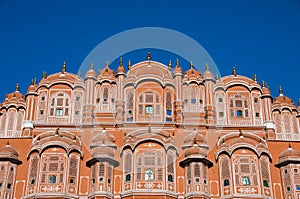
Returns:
<point x="234" y="71"/>
<point x="191" y="65"/>
<point x="44" y="75"/>
<point x="79" y="74"/>
<point x="148" y="56"/>
<point x="64" y="67"/>
<point x="170" y="65"/>
<point x="34" y="80"/>
<point x="106" y="64"/>
<point x="255" y="78"/>
<point x="177" y="62"/>
<point x="121" y="61"/>
<point x="206" y="66"/>
<point x="92" y="66"/>
<point x="129" y="64"/>
<point x="280" y="91"/>
<point x="17" y="87"/>
<point x="217" y="76"/>
<point x="263" y="84"/>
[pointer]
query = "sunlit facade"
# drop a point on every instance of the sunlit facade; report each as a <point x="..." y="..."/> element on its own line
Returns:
<point x="151" y="131"/>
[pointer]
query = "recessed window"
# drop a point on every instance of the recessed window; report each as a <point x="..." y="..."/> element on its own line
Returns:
<point x="129" y="112"/>
<point x="97" y="100"/>
<point x="32" y="181"/>
<point x="59" y="112"/>
<point x="204" y="181"/>
<point x="298" y="187"/>
<point x="285" y="171"/>
<point x="296" y="170"/>
<point x="193" y="101"/>
<point x="108" y="181"/>
<point x="149" y="174"/>
<point x="189" y="182"/>
<point x="149" y="110"/>
<point x="1" y="185"/>
<point x="288" y="189"/>
<point x="265" y="183"/>
<point x="128" y="178"/>
<point x="246" y="180"/>
<point x="101" y="179"/>
<point x="9" y="185"/>
<point x="170" y="178"/>
<point x="221" y="114"/>
<point x="104" y="101"/>
<point x="255" y="100"/>
<point x="226" y="182"/>
<point x="71" y="181"/>
<point x="52" y="179"/>
<point x="169" y="112"/>
<point x="93" y="181"/>
<point x="76" y="112"/>
<point x="197" y="180"/>
<point x="256" y="114"/>
<point x="239" y="113"/>
<point x="43" y="98"/>
<point x="201" y="101"/>
<point x="220" y="100"/>
<point x="41" y="112"/>
<point x="77" y="98"/>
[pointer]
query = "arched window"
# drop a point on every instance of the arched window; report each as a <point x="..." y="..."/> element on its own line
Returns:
<point x="170" y="178"/>
<point x="52" y="179"/>
<point x="238" y="106"/>
<point x="105" y="95"/>
<point x="149" y="174"/>
<point x="226" y="182"/>
<point x="169" y="107"/>
<point x="246" y="180"/>
<point x="265" y="183"/>
<point x="60" y="105"/>
<point x="193" y="95"/>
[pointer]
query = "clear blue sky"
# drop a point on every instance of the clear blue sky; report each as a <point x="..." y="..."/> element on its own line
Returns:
<point x="261" y="37"/>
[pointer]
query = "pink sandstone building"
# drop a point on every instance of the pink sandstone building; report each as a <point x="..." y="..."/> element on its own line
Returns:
<point x="151" y="131"/>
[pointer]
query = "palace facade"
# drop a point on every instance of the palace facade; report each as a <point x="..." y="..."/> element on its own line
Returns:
<point x="148" y="132"/>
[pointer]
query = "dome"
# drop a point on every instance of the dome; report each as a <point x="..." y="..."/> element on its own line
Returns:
<point x="121" y="69"/>
<point x="192" y="73"/>
<point x="284" y="100"/>
<point x="103" y="136"/>
<point x="195" y="150"/>
<point x="102" y="151"/>
<point x="290" y="153"/>
<point x="90" y="73"/>
<point x="9" y="151"/>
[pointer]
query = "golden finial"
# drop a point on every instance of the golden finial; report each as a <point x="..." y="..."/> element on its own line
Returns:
<point x="106" y="64"/>
<point x="177" y="62"/>
<point x="57" y="131"/>
<point x="34" y="80"/>
<point x="263" y="84"/>
<point x="194" y="140"/>
<point x="170" y="65"/>
<point x="148" y="56"/>
<point x="191" y="65"/>
<point x="129" y="64"/>
<point x="255" y="77"/>
<point x="64" y="67"/>
<point x="234" y="71"/>
<point x="7" y="143"/>
<point x="217" y="76"/>
<point x="79" y="74"/>
<point x="44" y="74"/>
<point x="206" y="66"/>
<point x="32" y="83"/>
<point x="290" y="146"/>
<point x="121" y="61"/>
<point x="241" y="133"/>
<point x="17" y="87"/>
<point x="92" y="66"/>
<point x="280" y="90"/>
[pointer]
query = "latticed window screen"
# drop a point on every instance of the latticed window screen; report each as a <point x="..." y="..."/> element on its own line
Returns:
<point x="246" y="171"/>
<point x="197" y="170"/>
<point x="33" y="169"/>
<point x="238" y="106"/>
<point x="101" y="169"/>
<point x="53" y="167"/>
<point x="60" y="105"/>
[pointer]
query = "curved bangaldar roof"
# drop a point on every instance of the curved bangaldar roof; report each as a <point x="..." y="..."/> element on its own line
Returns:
<point x="148" y="70"/>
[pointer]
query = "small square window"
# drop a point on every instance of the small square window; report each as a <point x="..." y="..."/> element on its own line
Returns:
<point x="256" y="114"/>
<point x="255" y="100"/>
<point x="59" y="112"/>
<point x="43" y="98"/>
<point x="220" y="100"/>
<point x="41" y="112"/>
<point x="77" y="98"/>
<point x="101" y="179"/>
<point x="285" y="171"/>
<point x="193" y="101"/>
<point x="201" y="101"/>
<point x="149" y="110"/>
<point x="76" y="112"/>
<point x="221" y="114"/>
<point x="1" y="185"/>
<point x="197" y="180"/>
<point x="296" y="170"/>
<point x="9" y="185"/>
<point x="97" y="100"/>
<point x="169" y="112"/>
<point x="105" y="101"/>
<point x="297" y="187"/>
<point x="239" y="113"/>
